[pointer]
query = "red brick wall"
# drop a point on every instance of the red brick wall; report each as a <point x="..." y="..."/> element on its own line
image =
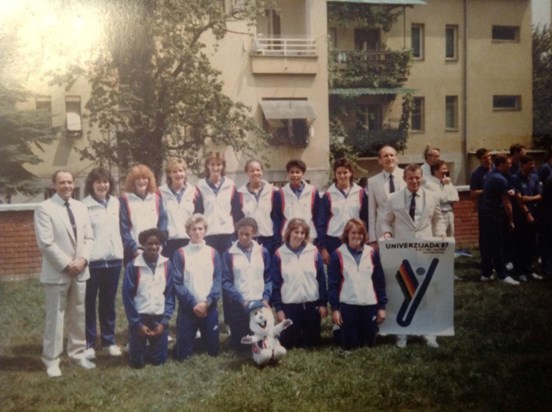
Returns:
<point x="20" y="257"/>
<point x="19" y="254"/>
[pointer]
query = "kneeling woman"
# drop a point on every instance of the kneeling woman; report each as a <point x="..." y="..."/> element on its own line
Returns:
<point x="356" y="288"/>
<point x="299" y="286"/>
<point x="197" y="285"/>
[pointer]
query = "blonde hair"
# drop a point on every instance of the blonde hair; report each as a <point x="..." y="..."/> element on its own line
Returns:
<point x="217" y="157"/>
<point x="350" y="225"/>
<point x="172" y="164"/>
<point x="140" y="171"/>
<point x="194" y="220"/>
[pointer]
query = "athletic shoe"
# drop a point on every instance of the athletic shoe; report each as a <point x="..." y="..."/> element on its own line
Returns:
<point x="523" y="278"/>
<point x="510" y="281"/>
<point x="85" y="363"/>
<point x="52" y="368"/>
<point x="431" y="341"/>
<point x="509" y="266"/>
<point x="484" y="278"/>
<point x="536" y="276"/>
<point x="90" y="353"/>
<point x="114" y="350"/>
<point x="401" y="341"/>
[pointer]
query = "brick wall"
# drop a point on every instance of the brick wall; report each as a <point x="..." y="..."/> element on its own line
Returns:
<point x="20" y="257"/>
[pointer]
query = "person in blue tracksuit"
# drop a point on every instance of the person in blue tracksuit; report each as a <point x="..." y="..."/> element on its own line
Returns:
<point x="246" y="278"/>
<point x="260" y="200"/>
<point x="299" y="286"/>
<point x="181" y="200"/>
<point x="356" y="288"/>
<point x="343" y="200"/>
<point x="197" y="285"/>
<point x="106" y="260"/>
<point x="148" y="299"/>
<point x="221" y="203"/>
<point x="141" y="209"/>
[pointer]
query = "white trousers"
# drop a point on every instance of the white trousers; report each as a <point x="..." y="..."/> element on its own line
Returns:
<point x="61" y="300"/>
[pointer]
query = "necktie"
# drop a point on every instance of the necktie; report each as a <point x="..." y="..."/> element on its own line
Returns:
<point x="71" y="218"/>
<point x="412" y="209"/>
<point x="391" y="184"/>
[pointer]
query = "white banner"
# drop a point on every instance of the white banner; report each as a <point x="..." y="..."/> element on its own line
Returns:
<point x="419" y="281"/>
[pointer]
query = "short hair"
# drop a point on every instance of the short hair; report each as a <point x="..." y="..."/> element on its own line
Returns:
<point x="171" y="165"/>
<point x="499" y="160"/>
<point x="57" y="172"/>
<point x="247" y="222"/>
<point x="215" y="157"/>
<point x="248" y="163"/>
<point x="158" y="233"/>
<point x="437" y="165"/>
<point x="383" y="147"/>
<point x="430" y="149"/>
<point x="195" y="219"/>
<point x="350" y="225"/>
<point x="137" y="171"/>
<point x="526" y="159"/>
<point x="481" y="152"/>
<point x="346" y="163"/>
<point x="296" y="223"/>
<point x="412" y="167"/>
<point x="296" y="163"/>
<point x="516" y="148"/>
<point x="98" y="173"/>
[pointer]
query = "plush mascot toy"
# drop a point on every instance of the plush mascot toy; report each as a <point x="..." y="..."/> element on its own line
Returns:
<point x="264" y="341"/>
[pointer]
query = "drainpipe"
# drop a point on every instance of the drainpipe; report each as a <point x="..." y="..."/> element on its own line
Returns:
<point x="464" y="136"/>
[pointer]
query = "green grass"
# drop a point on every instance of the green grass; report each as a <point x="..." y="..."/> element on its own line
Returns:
<point x="500" y="359"/>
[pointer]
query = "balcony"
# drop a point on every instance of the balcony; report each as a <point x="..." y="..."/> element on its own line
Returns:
<point x="284" y="55"/>
<point x="369" y="69"/>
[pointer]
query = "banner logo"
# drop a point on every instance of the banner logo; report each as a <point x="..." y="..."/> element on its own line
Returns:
<point x="412" y="289"/>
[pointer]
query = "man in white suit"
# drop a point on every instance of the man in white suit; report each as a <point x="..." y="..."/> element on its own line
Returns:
<point x="65" y="238"/>
<point x="380" y="187"/>
<point x="413" y="212"/>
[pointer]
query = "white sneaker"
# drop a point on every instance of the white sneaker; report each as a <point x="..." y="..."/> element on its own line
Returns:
<point x="114" y="350"/>
<point x="523" y="278"/>
<point x="52" y="368"/>
<point x="90" y="353"/>
<point x="431" y="341"/>
<point x="509" y="266"/>
<point x="510" y="281"/>
<point x="484" y="278"/>
<point x="85" y="363"/>
<point x="536" y="276"/>
<point x="401" y="341"/>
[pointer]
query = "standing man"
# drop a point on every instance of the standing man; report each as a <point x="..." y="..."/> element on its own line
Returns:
<point x="65" y="238"/>
<point x="517" y="150"/>
<point x="497" y="220"/>
<point x="431" y="155"/>
<point x="413" y="212"/>
<point x="380" y="187"/>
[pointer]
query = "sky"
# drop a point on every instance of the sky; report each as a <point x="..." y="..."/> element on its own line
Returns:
<point x="541" y="12"/>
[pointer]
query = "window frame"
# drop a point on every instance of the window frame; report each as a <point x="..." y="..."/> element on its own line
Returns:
<point x="454" y="29"/>
<point x="451" y="113"/>
<point x="421" y="41"/>
<point x="516" y="107"/>
<point x="73" y="104"/>
<point x="418" y="112"/>
<point x="505" y="39"/>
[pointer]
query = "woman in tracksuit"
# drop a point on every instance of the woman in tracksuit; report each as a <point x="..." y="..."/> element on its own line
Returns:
<point x="197" y="285"/>
<point x="356" y="287"/>
<point x="299" y="286"/>
<point x="221" y="202"/>
<point x="260" y="201"/>
<point x="106" y="260"/>
<point x="246" y="278"/>
<point x="181" y="200"/>
<point x="141" y="209"/>
<point x="342" y="201"/>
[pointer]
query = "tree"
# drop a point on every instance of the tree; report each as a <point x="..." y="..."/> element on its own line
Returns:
<point x="154" y="91"/>
<point x="542" y="86"/>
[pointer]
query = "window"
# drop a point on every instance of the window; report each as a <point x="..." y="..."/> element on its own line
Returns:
<point x="418" y="114"/>
<point x="451" y="36"/>
<point x="288" y="120"/>
<point x="506" y="33"/>
<point x="451" y="112"/>
<point x="44" y="106"/>
<point x="417" y="34"/>
<point x="506" y="103"/>
<point x="367" y="39"/>
<point x="369" y="117"/>
<point x="73" y="119"/>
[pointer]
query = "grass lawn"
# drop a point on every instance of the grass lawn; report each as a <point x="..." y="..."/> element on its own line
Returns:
<point x="500" y="359"/>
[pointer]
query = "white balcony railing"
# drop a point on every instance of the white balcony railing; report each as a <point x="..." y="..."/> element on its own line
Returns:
<point x="283" y="46"/>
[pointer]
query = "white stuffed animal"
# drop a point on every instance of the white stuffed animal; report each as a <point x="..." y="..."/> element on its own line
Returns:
<point x="264" y="341"/>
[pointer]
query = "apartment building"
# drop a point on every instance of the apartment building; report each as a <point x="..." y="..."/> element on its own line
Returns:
<point x="466" y="64"/>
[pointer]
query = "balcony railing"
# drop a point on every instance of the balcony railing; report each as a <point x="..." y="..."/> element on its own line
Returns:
<point x="283" y="46"/>
<point x="359" y="68"/>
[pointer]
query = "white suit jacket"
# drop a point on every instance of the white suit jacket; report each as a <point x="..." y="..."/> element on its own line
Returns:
<point x="378" y="193"/>
<point x="56" y="240"/>
<point x="398" y="222"/>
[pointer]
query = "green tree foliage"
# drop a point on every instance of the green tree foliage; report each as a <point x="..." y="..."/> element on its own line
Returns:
<point x="154" y="93"/>
<point x="350" y="14"/>
<point x="542" y="86"/>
